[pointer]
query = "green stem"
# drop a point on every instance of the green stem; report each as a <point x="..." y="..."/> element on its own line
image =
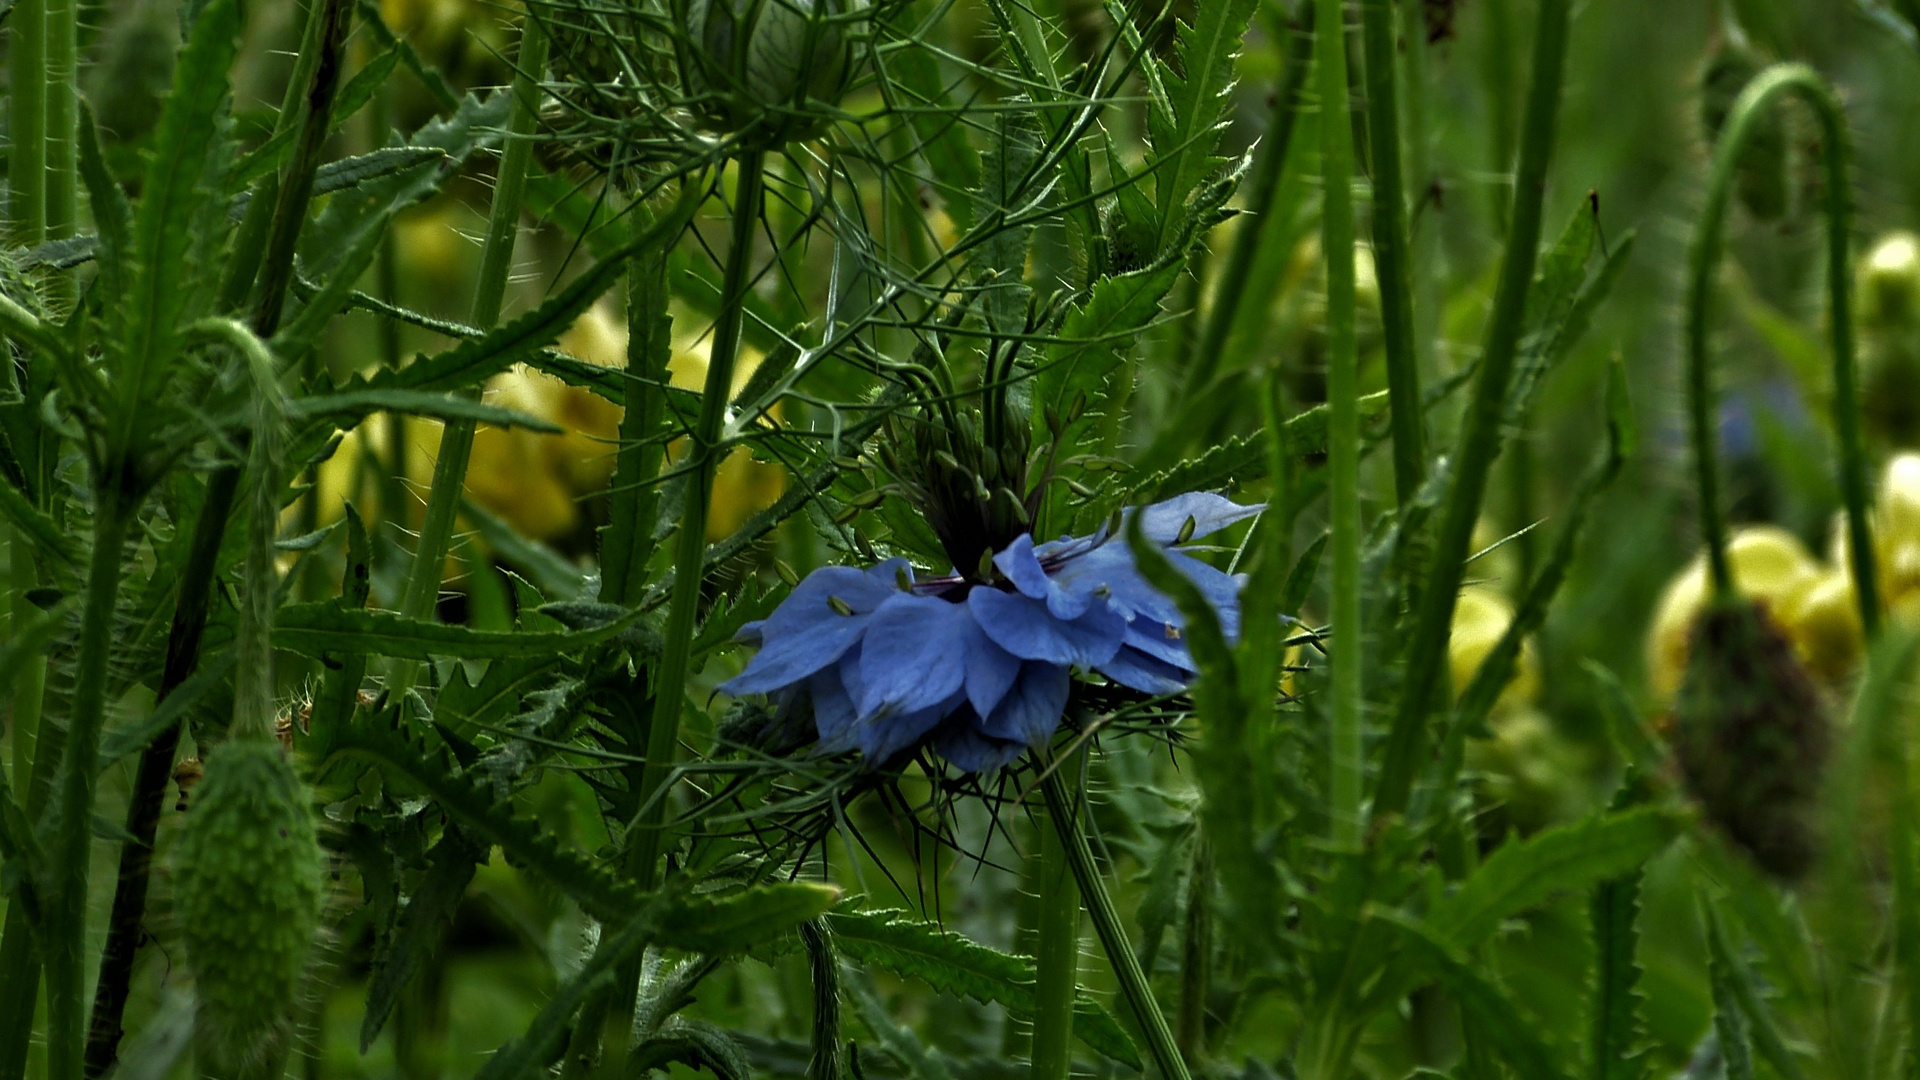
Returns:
<point x="27" y="122"/>
<point x="496" y="262"/>
<point x="1057" y="942"/>
<point x="1392" y="249"/>
<point x="1196" y="956"/>
<point x="1741" y="126"/>
<point x="63" y="949"/>
<point x="1268" y="167"/>
<point x="633" y="502"/>
<point x="702" y="457"/>
<point x="1481" y="437"/>
<point x="1345" y="813"/>
<point x="62" y="135"/>
<point x="34" y="761"/>
<point x="1134" y="988"/>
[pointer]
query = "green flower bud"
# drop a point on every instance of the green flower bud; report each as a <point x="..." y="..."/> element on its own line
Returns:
<point x="769" y="64"/>
<point x="247" y="890"/>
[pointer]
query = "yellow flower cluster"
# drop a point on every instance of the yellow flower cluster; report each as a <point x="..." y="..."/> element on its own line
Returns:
<point x="1811" y="601"/>
<point x="535" y="481"/>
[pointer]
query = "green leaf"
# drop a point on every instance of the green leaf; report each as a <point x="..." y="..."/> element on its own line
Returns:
<point x="1244" y="459"/>
<point x="34" y="525"/>
<point x="349" y="407"/>
<point x="1494" y="1013"/>
<point x="112" y="214"/>
<point x="736" y="922"/>
<point x="913" y="74"/>
<point x="351" y="99"/>
<point x="1617" y="1046"/>
<point x="549" y="571"/>
<point x="1734" y="985"/>
<point x="1186" y="131"/>
<point x="1521" y="876"/>
<point x="322" y="629"/>
<point x="174" y="708"/>
<point x="1092" y="341"/>
<point x="301" y="334"/>
<point x="421" y="926"/>
<point x="163" y="273"/>
<point x="957" y="965"/>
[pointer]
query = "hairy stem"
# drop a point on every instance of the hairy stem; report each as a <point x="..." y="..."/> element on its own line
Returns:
<point x="1107" y="924"/>
<point x="62" y="138"/>
<point x="1741" y="126"/>
<point x="1481" y="436"/>
<point x="1392" y="249"/>
<point x="1345" y="814"/>
<point x="64" y="943"/>
<point x="496" y="262"/>
<point x="1057" y="943"/>
<point x="702" y="457"/>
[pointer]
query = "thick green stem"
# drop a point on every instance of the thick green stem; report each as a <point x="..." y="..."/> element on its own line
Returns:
<point x="496" y="262"/>
<point x="64" y="945"/>
<point x="1062" y="807"/>
<point x="1196" y="956"/>
<point x="1268" y="167"/>
<point x="63" y="137"/>
<point x="633" y="502"/>
<point x="1481" y="437"/>
<point x="1345" y="814"/>
<point x="27" y="122"/>
<point x="702" y="457"/>
<point x="1741" y="127"/>
<point x="1392" y="250"/>
<point x="1057" y="943"/>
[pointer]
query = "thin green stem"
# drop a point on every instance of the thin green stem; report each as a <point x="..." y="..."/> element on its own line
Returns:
<point x="1062" y="807"/>
<point x="1057" y="944"/>
<point x="1268" y="167"/>
<point x="1743" y="123"/>
<point x="702" y="457"/>
<point x="63" y="949"/>
<point x="1480" y="439"/>
<point x="1392" y="250"/>
<point x="1345" y="814"/>
<point x="62" y="135"/>
<point x="1196" y="956"/>
<point x="496" y="262"/>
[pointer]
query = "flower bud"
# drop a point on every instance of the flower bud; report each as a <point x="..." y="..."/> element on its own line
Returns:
<point x="1769" y="565"/>
<point x="768" y="63"/>
<point x="1751" y="736"/>
<point x="247" y="891"/>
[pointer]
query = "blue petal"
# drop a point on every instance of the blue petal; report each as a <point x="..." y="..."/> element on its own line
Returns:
<point x="1136" y="670"/>
<point x="807" y="632"/>
<point x="990" y="668"/>
<point x="1165" y="642"/>
<point x="1031" y="711"/>
<point x="750" y="632"/>
<point x="966" y="749"/>
<point x="914" y="654"/>
<point x="1024" y="627"/>
<point x="1163" y="521"/>
<point x="880" y="738"/>
<point x="1019" y="562"/>
<point x="833" y="711"/>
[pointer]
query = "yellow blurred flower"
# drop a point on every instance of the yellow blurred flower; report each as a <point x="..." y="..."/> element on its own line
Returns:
<point x="742" y="486"/>
<point x="1480" y="618"/>
<point x="1823" y="623"/>
<point x="1769" y="565"/>
<point x="1889" y="280"/>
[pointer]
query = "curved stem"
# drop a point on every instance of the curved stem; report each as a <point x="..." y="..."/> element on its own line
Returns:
<point x="1392" y="250"/>
<point x="670" y="676"/>
<point x="1062" y="807"/>
<point x="496" y="260"/>
<point x="1057" y="944"/>
<point x="1741" y="127"/>
<point x="1481" y="437"/>
<point x="1345" y="813"/>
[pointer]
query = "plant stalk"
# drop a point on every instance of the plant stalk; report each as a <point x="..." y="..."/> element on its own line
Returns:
<point x="1480" y="439"/>
<point x="1057" y="943"/>
<point x="1346" y="816"/>
<point x="62" y="139"/>
<point x="27" y="122"/>
<point x="496" y="262"/>
<point x="1392" y="250"/>
<point x="1741" y="126"/>
<point x="1061" y="807"/>
<point x="63" y="948"/>
<point x="702" y="457"/>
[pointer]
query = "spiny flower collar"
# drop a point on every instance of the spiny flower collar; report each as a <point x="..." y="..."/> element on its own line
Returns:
<point x="888" y="661"/>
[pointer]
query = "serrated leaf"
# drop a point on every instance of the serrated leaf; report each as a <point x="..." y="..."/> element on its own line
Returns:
<point x="1521" y="876"/>
<point x="1186" y="131"/>
<point x="1497" y="1017"/>
<point x="351" y="99"/>
<point x="1617" y="1050"/>
<point x="548" y="570"/>
<point x="33" y="525"/>
<point x="736" y="922"/>
<point x="112" y="214"/>
<point x="954" y="964"/>
<point x="322" y="629"/>
<point x="421" y="926"/>
<point x="349" y="407"/>
<point x="1732" y="978"/>
<point x="1092" y="341"/>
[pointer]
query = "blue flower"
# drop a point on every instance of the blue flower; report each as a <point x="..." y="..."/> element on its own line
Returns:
<point x="981" y="669"/>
